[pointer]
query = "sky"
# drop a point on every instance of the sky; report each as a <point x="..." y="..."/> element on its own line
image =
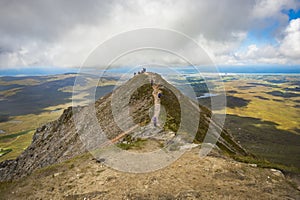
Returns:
<point x="232" y="32"/>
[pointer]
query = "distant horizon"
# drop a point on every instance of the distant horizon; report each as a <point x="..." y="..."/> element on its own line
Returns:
<point x="44" y="71"/>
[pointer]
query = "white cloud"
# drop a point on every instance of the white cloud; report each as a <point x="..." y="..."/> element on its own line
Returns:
<point x="290" y="45"/>
<point x="287" y="51"/>
<point x="260" y="55"/>
<point x="271" y="8"/>
<point x="62" y="33"/>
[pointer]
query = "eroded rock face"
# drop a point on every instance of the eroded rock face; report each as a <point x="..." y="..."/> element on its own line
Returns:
<point x="60" y="140"/>
<point x="51" y="143"/>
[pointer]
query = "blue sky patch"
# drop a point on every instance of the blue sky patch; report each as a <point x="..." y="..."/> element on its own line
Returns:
<point x="292" y="14"/>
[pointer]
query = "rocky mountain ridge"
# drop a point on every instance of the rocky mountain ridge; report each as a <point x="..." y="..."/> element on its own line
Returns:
<point x="61" y="140"/>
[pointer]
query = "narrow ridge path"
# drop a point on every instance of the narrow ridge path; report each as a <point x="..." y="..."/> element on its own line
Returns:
<point x="155" y="93"/>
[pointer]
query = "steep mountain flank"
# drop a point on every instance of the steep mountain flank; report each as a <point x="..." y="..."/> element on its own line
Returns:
<point x="51" y="143"/>
<point x="60" y="140"/>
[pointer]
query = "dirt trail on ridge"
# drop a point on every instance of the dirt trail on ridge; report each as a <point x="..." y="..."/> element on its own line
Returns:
<point x="155" y="93"/>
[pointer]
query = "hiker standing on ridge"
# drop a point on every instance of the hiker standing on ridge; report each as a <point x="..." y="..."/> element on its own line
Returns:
<point x="154" y="121"/>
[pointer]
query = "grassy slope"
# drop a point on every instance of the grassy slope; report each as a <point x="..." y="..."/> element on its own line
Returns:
<point x="173" y="110"/>
<point x="17" y="143"/>
<point x="140" y="103"/>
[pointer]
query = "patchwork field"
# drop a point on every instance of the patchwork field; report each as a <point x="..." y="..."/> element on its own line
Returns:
<point x="26" y="103"/>
<point x="263" y="113"/>
<point x="270" y="98"/>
